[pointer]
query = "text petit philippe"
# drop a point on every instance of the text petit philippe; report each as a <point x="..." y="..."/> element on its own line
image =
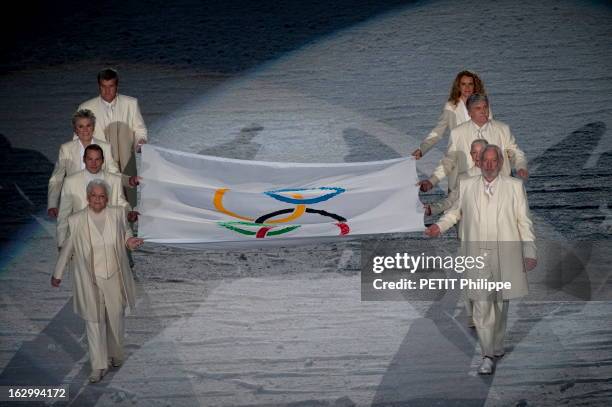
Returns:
<point x="407" y="263"/>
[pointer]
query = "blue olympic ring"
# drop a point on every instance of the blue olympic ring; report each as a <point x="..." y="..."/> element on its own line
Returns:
<point x="275" y="194"/>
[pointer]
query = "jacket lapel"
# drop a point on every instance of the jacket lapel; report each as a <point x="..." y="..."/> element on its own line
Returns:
<point x="87" y="246"/>
<point x="476" y="186"/>
<point x="82" y="192"/>
<point x="501" y="193"/>
<point x="117" y="115"/>
<point x="111" y="225"/>
<point x="461" y="113"/>
<point x="76" y="152"/>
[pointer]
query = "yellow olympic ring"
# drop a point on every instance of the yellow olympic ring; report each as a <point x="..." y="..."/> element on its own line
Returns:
<point x="218" y="202"/>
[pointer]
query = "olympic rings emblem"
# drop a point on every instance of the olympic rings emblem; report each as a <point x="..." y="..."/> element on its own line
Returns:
<point x="270" y="224"/>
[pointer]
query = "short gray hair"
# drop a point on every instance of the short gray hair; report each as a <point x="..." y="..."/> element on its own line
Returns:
<point x="500" y="154"/>
<point x="98" y="183"/>
<point x="84" y="114"/>
<point x="475" y="98"/>
<point x="480" y="141"/>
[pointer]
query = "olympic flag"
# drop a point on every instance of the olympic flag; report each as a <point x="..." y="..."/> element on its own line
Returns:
<point x="211" y="202"/>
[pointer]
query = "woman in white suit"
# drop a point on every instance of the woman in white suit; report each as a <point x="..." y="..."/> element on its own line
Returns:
<point x="70" y="159"/>
<point x="454" y="113"/>
<point x="103" y="284"/>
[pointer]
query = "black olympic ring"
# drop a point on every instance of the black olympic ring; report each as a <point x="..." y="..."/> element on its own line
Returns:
<point x="267" y="216"/>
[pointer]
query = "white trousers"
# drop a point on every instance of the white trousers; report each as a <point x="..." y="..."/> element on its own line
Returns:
<point x="105" y="337"/>
<point x="490" y="318"/>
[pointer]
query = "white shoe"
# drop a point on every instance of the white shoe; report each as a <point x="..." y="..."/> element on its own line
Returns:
<point x="96" y="375"/>
<point x="471" y="323"/>
<point x="487" y="366"/>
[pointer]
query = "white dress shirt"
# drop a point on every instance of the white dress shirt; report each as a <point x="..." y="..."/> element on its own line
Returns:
<point x="489" y="187"/>
<point x="109" y="109"/>
<point x="90" y="176"/>
<point x="82" y="149"/>
<point x="481" y="132"/>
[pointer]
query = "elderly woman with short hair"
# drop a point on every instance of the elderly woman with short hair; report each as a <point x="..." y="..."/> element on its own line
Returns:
<point x="103" y="283"/>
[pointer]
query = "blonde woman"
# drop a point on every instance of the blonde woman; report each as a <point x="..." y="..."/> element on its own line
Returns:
<point x="455" y="113"/>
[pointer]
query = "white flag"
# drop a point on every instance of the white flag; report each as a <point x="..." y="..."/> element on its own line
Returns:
<point x="190" y="199"/>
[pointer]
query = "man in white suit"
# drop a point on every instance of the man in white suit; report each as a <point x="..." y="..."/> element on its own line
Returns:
<point x="103" y="282"/>
<point x="74" y="198"/>
<point x="437" y="208"/>
<point x="70" y="159"/>
<point x="120" y="123"/>
<point x="495" y="223"/>
<point x="442" y="206"/>
<point x="457" y="158"/>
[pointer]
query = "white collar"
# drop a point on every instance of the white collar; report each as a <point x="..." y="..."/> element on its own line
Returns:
<point x="483" y="127"/>
<point x="95" y="215"/>
<point x="109" y="104"/>
<point x="489" y="187"/>
<point x="489" y="183"/>
<point x="463" y="108"/>
<point x="90" y="176"/>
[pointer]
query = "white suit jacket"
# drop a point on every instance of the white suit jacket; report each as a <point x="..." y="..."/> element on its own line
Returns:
<point x="69" y="161"/>
<point x="123" y="130"/>
<point x="74" y="198"/>
<point x="86" y="302"/>
<point x="451" y="117"/>
<point x="457" y="158"/>
<point x="515" y="235"/>
<point x="446" y="204"/>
